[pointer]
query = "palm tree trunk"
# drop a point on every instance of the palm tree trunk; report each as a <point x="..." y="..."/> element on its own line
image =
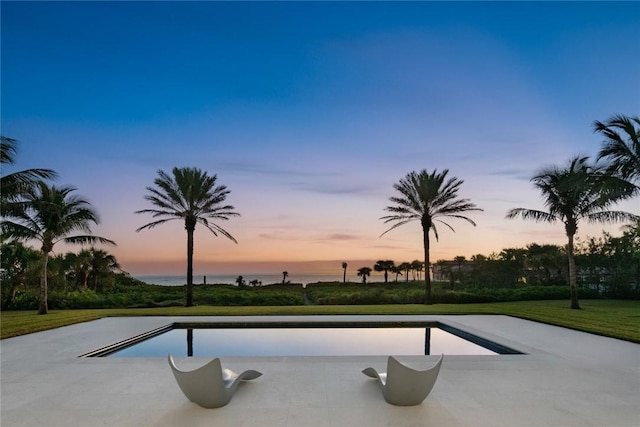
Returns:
<point x="85" y="280"/>
<point x="43" y="307"/>
<point x="190" y="265"/>
<point x="573" y="282"/>
<point x="427" y="276"/>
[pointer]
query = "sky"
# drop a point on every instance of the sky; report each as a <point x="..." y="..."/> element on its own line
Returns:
<point x="309" y="113"/>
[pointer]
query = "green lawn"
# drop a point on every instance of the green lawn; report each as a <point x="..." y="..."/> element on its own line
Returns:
<point x="613" y="318"/>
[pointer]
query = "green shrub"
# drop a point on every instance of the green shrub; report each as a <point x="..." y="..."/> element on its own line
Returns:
<point x="413" y="293"/>
<point x="24" y="300"/>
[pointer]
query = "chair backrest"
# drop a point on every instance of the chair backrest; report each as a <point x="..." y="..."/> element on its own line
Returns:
<point x="406" y="386"/>
<point x="204" y="385"/>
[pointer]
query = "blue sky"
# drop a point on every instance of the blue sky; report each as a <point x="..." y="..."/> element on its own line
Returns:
<point x="309" y="112"/>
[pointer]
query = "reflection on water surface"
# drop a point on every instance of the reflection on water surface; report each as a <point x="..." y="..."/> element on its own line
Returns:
<point x="302" y="342"/>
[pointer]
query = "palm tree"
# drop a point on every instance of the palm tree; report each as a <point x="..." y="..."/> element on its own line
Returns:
<point x="396" y="270"/>
<point x="18" y="263"/>
<point x="572" y="194"/>
<point x="427" y="197"/>
<point x="284" y="276"/>
<point x="16" y="184"/>
<point x="406" y="267"/>
<point x="621" y="146"/>
<point x="81" y="267"/>
<point x="417" y="266"/>
<point x="460" y="261"/>
<point x="384" y="266"/>
<point x="102" y="264"/>
<point x="192" y="196"/>
<point x="344" y="272"/>
<point x="364" y="272"/>
<point x="51" y="214"/>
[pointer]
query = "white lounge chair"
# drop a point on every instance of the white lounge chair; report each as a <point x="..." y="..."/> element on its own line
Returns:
<point x="403" y="386"/>
<point x="210" y="386"/>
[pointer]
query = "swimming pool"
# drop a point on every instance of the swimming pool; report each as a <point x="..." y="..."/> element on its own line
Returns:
<point x="213" y="339"/>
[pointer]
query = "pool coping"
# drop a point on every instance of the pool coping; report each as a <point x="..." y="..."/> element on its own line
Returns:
<point x="458" y="331"/>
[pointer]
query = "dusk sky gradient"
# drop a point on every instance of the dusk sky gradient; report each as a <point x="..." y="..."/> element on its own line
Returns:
<point x="310" y="112"/>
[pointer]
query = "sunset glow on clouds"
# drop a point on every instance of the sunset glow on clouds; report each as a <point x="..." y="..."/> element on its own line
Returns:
<point x="310" y="112"/>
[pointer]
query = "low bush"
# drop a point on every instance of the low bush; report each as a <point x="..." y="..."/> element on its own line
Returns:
<point x="23" y="300"/>
<point x="141" y="295"/>
<point x="413" y="293"/>
<point x="230" y="295"/>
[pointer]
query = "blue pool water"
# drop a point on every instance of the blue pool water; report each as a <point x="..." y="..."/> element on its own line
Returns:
<point x="316" y="341"/>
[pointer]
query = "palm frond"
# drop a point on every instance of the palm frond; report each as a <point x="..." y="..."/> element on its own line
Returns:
<point x="18" y="231"/>
<point x="435" y="231"/>
<point x="8" y="149"/>
<point x="396" y="225"/>
<point x="535" y="215"/>
<point x="87" y="240"/>
<point x="188" y="194"/>
<point x="215" y="229"/>
<point x="427" y="196"/>
<point x="611" y="217"/>
<point x="621" y="146"/>
<point x="155" y="223"/>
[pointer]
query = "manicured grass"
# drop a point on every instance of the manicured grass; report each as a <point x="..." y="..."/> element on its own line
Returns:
<point x="613" y="318"/>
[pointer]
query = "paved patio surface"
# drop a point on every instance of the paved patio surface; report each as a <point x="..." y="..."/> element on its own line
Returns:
<point x="567" y="378"/>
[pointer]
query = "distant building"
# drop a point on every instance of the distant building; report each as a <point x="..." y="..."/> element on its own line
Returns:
<point x="445" y="270"/>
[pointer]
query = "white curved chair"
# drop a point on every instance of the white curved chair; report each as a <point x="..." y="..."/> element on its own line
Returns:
<point x="403" y="386"/>
<point x="210" y="386"/>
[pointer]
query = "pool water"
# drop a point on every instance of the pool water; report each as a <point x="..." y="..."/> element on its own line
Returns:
<point x="316" y="341"/>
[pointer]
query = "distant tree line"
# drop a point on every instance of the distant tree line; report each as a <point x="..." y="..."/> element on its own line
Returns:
<point x="403" y="270"/>
<point x="607" y="264"/>
<point x="90" y="271"/>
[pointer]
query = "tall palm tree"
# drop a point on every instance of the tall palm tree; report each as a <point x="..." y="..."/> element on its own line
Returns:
<point x="364" y="272"/>
<point x="572" y="194"/>
<point x="192" y="196"/>
<point x="384" y="266"/>
<point x="427" y="197"/>
<point x="621" y="146"/>
<point x="17" y="183"/>
<point x="52" y="214"/>
<point x="284" y="276"/>
<point x="344" y="272"/>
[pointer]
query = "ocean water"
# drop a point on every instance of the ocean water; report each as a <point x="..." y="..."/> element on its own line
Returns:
<point x="266" y="279"/>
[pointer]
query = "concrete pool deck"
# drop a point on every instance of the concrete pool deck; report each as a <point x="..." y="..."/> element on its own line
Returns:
<point x="567" y="378"/>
